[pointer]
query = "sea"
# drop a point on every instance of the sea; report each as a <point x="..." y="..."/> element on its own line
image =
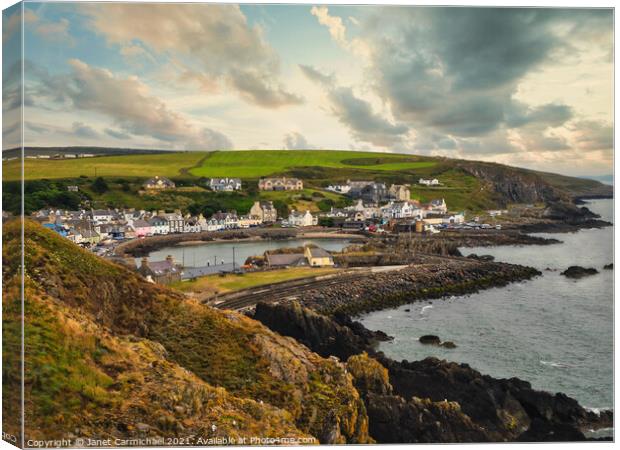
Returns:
<point x="555" y="332"/>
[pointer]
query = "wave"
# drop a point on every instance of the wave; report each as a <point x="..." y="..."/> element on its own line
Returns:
<point x="597" y="410"/>
<point x="424" y="308"/>
<point x="558" y="365"/>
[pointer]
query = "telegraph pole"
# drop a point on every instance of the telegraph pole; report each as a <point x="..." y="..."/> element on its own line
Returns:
<point x="233" y="258"/>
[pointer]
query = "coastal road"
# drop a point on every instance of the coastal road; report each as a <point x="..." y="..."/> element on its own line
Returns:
<point x="289" y="290"/>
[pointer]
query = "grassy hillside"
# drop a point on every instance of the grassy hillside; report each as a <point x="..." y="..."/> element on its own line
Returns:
<point x="164" y="164"/>
<point x="254" y="164"/>
<point x="466" y="185"/>
<point x="107" y="351"/>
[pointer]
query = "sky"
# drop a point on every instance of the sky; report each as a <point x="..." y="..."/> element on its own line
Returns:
<point x="526" y="87"/>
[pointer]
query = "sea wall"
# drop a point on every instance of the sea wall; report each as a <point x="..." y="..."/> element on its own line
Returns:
<point x="438" y="277"/>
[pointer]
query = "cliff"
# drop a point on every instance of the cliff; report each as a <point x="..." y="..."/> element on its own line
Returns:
<point x="108" y="354"/>
<point x="517" y="185"/>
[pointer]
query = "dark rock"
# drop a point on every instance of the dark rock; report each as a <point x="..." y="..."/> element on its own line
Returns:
<point x="481" y="257"/>
<point x="609" y="266"/>
<point x="579" y="272"/>
<point x="505" y="409"/>
<point x="448" y="344"/>
<point x="543" y="431"/>
<point x="393" y="420"/>
<point x="319" y="333"/>
<point x="430" y="339"/>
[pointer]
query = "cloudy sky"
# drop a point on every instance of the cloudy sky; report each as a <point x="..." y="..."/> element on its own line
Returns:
<point x="528" y="87"/>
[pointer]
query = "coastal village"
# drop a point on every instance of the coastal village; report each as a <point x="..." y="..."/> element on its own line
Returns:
<point x="375" y="207"/>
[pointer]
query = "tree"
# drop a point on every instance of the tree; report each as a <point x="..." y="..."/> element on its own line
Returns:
<point x="99" y="186"/>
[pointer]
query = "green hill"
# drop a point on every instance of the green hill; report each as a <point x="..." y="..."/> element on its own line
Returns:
<point x="465" y="185"/>
<point x="115" y="356"/>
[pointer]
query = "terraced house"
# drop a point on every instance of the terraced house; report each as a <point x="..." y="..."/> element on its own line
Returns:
<point x="224" y="184"/>
<point x="264" y="211"/>
<point x="159" y="183"/>
<point x="280" y="184"/>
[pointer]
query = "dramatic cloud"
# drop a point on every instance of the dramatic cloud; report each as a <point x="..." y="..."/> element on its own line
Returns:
<point x="451" y="74"/>
<point x="82" y="130"/>
<point x="357" y="114"/>
<point x="296" y="141"/>
<point x="128" y="103"/>
<point x="215" y="41"/>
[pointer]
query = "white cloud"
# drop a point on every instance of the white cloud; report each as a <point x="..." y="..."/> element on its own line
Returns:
<point x="211" y="42"/>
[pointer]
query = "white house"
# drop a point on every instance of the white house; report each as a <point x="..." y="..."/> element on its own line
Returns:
<point x="159" y="225"/>
<point x="192" y="225"/>
<point x="225" y="184"/>
<point x="176" y="221"/>
<point x="100" y="216"/>
<point x="429" y="182"/>
<point x="339" y="188"/>
<point x="299" y="219"/>
<point x="438" y="206"/>
<point x="454" y="218"/>
<point x="400" y="210"/>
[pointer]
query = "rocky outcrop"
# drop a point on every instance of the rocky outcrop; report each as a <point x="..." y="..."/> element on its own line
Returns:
<point x="318" y="332"/>
<point x="577" y="272"/>
<point x="489" y="409"/>
<point x="394" y="420"/>
<point x="513" y="185"/>
<point x="431" y="339"/>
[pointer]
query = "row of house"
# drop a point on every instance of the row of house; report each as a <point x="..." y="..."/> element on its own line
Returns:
<point x="280" y="184"/>
<point x="231" y="184"/>
<point x="372" y="191"/>
<point x="401" y="209"/>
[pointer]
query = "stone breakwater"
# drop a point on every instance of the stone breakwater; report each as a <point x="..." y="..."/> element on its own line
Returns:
<point x="438" y="278"/>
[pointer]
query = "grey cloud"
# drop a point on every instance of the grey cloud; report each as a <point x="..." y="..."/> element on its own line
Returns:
<point x="364" y="123"/>
<point x="208" y="139"/>
<point x="258" y="89"/>
<point x="455" y="71"/>
<point x="296" y="141"/>
<point x="593" y="135"/>
<point x="357" y="114"/>
<point x="37" y="128"/>
<point x="116" y="134"/>
<point x="314" y="75"/>
<point x="82" y="130"/>
<point x="551" y="114"/>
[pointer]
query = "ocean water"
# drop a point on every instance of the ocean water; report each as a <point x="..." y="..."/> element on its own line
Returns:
<point x="552" y="331"/>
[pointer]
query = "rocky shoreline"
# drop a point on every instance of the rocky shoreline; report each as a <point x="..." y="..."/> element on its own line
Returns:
<point x="433" y="400"/>
<point x="431" y="277"/>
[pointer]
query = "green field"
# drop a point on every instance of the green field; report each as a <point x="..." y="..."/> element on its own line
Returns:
<point x="168" y="165"/>
<point x="259" y="163"/>
<point x="230" y="282"/>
